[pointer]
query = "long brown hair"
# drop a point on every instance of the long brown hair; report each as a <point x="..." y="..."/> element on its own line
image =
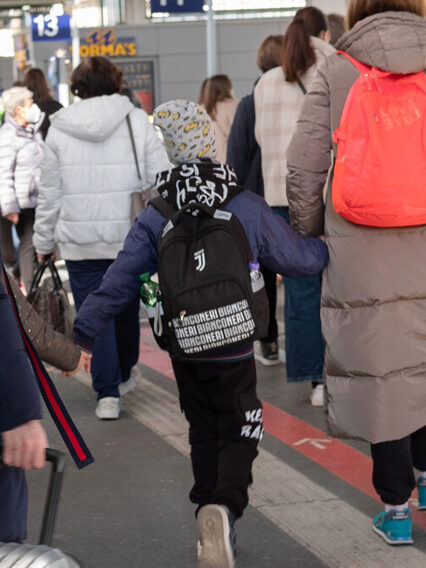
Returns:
<point x="213" y="90"/>
<point x="360" y="9"/>
<point x="35" y="80"/>
<point x="297" y="54"/>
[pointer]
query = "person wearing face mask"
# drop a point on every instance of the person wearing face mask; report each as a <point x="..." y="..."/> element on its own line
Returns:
<point x="21" y="152"/>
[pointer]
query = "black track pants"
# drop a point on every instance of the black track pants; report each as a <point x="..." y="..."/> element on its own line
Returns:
<point x="225" y="425"/>
<point x="393" y="462"/>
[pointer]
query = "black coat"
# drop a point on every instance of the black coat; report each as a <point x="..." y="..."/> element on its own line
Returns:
<point x="19" y="395"/>
<point x="244" y="153"/>
<point x="48" y="107"/>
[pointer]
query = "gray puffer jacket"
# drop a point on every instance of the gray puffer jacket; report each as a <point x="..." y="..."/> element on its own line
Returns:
<point x="373" y="307"/>
<point x="21" y="152"/>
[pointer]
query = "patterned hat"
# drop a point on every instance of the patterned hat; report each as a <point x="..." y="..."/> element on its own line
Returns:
<point x="187" y="130"/>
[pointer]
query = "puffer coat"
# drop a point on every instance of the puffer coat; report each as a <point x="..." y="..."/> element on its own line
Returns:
<point x="88" y="174"/>
<point x="373" y="306"/>
<point x="21" y="152"/>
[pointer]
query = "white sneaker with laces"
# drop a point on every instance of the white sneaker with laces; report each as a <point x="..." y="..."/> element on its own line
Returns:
<point x="108" y="408"/>
<point x="317" y="396"/>
<point x="132" y="382"/>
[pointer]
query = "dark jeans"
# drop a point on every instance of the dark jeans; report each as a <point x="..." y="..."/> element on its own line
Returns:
<point x="304" y="344"/>
<point x="393" y="462"/>
<point x="13" y="504"/>
<point x="225" y="425"/>
<point x="7" y="247"/>
<point x="26" y="259"/>
<point x="116" y="350"/>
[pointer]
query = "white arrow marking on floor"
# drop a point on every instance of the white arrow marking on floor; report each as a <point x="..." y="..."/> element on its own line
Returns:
<point x="316" y="442"/>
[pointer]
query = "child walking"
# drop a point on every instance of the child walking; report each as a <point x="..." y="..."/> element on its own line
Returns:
<point x="217" y="388"/>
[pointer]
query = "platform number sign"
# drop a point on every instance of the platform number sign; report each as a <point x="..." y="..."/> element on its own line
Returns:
<point x="177" y="6"/>
<point x="46" y="27"/>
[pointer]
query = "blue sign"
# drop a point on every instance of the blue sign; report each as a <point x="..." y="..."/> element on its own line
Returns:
<point x="51" y="28"/>
<point x="177" y="6"/>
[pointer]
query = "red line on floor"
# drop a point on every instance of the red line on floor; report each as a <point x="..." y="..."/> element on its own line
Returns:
<point x="340" y="459"/>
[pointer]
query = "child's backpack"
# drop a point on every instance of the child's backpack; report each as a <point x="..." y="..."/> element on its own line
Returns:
<point x="210" y="300"/>
<point x="380" y="169"/>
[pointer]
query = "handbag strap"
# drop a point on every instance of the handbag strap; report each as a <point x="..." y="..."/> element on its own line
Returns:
<point x="302" y="86"/>
<point x="63" y="421"/>
<point x="47" y="262"/>
<point x="132" y="140"/>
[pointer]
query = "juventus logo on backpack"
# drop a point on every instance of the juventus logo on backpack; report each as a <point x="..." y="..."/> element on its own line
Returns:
<point x="200" y="257"/>
<point x="208" y="302"/>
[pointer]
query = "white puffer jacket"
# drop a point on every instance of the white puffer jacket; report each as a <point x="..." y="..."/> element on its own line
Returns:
<point x="88" y="173"/>
<point x="21" y="152"/>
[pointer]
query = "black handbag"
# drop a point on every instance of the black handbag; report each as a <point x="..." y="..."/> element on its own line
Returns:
<point x="138" y="199"/>
<point x="50" y="299"/>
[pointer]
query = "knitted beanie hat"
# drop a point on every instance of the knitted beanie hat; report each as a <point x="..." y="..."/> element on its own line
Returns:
<point x="187" y="130"/>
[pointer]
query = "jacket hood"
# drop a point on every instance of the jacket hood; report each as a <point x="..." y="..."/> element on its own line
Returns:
<point x="322" y="48"/>
<point x="392" y="41"/>
<point x="93" y="119"/>
<point x="25" y="131"/>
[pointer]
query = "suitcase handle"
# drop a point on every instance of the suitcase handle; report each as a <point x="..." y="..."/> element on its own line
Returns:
<point x="57" y="459"/>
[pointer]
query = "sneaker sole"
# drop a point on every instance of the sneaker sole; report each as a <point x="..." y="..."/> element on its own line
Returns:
<point x="389" y="541"/>
<point x="267" y="362"/>
<point x="216" y="551"/>
<point x="421" y="508"/>
<point x="115" y="417"/>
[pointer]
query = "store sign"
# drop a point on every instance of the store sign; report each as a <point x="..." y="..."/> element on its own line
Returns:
<point x="177" y="6"/>
<point x="106" y="43"/>
<point x="46" y="27"/>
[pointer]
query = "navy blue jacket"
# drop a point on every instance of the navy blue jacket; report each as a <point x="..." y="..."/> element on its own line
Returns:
<point x="19" y="396"/>
<point x="272" y="242"/>
<point x="244" y="154"/>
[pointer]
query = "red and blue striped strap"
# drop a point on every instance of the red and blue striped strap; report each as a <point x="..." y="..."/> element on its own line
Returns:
<point x="63" y="421"/>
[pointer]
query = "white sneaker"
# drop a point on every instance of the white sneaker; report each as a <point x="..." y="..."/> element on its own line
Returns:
<point x="108" y="408"/>
<point x="317" y="396"/>
<point x="132" y="382"/>
<point x="214" y="550"/>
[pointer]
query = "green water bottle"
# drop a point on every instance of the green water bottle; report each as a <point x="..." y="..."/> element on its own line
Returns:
<point x="148" y="290"/>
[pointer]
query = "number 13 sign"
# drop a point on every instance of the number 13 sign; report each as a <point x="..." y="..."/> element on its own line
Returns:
<point x="51" y="28"/>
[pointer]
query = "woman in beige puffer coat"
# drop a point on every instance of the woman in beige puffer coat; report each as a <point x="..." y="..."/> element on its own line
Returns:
<point x="373" y="306"/>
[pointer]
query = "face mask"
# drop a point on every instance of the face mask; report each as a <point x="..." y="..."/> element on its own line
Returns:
<point x="33" y="114"/>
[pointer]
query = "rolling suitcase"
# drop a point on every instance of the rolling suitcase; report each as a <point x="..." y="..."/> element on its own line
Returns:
<point x="13" y="555"/>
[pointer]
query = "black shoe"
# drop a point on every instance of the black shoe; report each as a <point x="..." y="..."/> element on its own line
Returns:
<point x="268" y="353"/>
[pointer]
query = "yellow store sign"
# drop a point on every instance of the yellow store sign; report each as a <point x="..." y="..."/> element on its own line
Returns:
<point x="106" y="43"/>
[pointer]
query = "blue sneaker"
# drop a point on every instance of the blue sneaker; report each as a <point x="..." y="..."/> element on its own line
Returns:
<point x="421" y="488"/>
<point x="394" y="526"/>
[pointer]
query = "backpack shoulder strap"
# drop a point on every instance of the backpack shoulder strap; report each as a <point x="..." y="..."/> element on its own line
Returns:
<point x="362" y="67"/>
<point x="163" y="207"/>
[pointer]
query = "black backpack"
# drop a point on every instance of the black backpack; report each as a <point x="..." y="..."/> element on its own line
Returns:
<point x="209" y="301"/>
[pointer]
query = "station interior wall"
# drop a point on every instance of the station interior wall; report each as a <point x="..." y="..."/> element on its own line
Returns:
<point x="179" y="53"/>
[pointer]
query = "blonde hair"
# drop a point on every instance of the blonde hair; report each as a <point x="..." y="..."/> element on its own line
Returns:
<point x="360" y="9"/>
